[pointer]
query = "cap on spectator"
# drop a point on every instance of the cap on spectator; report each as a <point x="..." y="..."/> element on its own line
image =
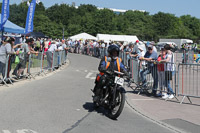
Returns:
<point x="137" y="41"/>
<point x="150" y="46"/>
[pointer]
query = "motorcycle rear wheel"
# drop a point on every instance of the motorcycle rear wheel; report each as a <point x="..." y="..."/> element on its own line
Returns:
<point x="117" y="110"/>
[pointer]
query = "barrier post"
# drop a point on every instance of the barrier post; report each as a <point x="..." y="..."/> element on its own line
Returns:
<point x="53" y="60"/>
<point x="7" y="78"/>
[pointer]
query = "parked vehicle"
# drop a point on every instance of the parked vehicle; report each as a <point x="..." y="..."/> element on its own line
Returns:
<point x="179" y="42"/>
<point x="162" y="44"/>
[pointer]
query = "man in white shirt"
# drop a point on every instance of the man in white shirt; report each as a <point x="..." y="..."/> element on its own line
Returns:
<point x="52" y="48"/>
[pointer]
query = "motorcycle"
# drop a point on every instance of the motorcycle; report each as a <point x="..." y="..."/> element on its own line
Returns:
<point x="111" y="95"/>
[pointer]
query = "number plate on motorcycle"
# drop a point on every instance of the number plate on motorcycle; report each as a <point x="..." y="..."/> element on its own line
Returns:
<point x="119" y="81"/>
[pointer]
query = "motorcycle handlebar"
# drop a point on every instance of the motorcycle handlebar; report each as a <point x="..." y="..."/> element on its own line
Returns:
<point x="120" y="73"/>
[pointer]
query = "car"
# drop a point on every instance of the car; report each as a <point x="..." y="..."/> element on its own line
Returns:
<point x="162" y="44"/>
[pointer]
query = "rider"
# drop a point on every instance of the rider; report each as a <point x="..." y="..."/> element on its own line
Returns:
<point x="108" y="63"/>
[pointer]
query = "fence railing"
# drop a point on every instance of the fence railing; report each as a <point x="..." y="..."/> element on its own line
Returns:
<point x="31" y="65"/>
<point x="154" y="76"/>
<point x="188" y="81"/>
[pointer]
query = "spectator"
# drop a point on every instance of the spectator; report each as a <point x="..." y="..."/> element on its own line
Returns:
<point x="53" y="47"/>
<point x="38" y="45"/>
<point x="150" y="56"/>
<point x="154" y="47"/>
<point x="169" y="71"/>
<point x="24" y="53"/>
<point x="65" y="48"/>
<point x="135" y="49"/>
<point x="5" y="49"/>
<point x="161" y="72"/>
<point x="60" y="49"/>
<point x="30" y="43"/>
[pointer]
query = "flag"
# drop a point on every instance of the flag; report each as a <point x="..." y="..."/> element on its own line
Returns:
<point x="4" y="12"/>
<point x="30" y="17"/>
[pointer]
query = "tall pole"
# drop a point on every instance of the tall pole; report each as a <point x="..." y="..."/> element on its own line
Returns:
<point x="63" y="34"/>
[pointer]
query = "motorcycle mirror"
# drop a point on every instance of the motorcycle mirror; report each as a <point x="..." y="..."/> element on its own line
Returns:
<point x="109" y="59"/>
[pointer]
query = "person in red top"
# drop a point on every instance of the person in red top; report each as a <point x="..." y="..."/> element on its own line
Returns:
<point x="161" y="72"/>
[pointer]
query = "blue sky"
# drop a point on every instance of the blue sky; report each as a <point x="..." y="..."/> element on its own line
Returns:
<point x="177" y="7"/>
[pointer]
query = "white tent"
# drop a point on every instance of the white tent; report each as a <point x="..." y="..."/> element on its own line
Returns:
<point x="83" y="36"/>
<point x="124" y="38"/>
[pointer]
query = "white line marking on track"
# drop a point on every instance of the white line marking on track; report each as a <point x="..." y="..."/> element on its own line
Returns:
<point x="6" y="131"/>
<point x="26" y="131"/>
<point x="88" y="75"/>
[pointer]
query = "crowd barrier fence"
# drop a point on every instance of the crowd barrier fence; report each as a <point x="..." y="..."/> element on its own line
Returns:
<point x="35" y="64"/>
<point x="153" y="76"/>
<point x="188" y="81"/>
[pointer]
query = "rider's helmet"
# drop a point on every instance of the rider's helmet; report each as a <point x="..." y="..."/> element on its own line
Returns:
<point x="113" y="48"/>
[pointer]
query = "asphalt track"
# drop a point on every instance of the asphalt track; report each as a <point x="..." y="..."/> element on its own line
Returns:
<point x="62" y="103"/>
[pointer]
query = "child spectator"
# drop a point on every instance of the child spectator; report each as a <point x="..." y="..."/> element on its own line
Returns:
<point x="161" y="72"/>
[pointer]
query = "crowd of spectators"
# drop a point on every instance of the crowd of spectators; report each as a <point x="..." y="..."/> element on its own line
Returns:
<point x="24" y="48"/>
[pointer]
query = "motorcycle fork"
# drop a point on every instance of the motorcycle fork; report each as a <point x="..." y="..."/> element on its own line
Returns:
<point x="105" y="95"/>
<point x="114" y="94"/>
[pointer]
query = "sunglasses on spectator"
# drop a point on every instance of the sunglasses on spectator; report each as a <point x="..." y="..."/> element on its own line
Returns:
<point x="149" y="48"/>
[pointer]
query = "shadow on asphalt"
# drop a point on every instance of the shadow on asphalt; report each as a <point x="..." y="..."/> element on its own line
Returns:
<point x="146" y="94"/>
<point x="100" y="110"/>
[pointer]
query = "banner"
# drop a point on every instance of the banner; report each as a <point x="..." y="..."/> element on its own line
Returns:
<point x="4" y="12"/>
<point x="30" y="17"/>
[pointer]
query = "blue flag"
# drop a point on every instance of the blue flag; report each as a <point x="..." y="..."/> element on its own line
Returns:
<point x="30" y="17"/>
<point x="4" y="12"/>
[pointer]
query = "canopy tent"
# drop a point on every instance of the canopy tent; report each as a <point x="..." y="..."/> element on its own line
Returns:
<point x="12" y="28"/>
<point x="124" y="38"/>
<point x="84" y="36"/>
<point x="36" y="34"/>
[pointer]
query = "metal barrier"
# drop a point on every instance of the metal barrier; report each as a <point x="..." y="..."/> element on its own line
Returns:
<point x="34" y="63"/>
<point x="31" y="65"/>
<point x="188" y="81"/>
<point x="153" y="76"/>
<point x="6" y="70"/>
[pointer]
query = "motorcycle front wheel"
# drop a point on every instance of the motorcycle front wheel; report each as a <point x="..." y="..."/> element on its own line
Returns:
<point x="119" y="105"/>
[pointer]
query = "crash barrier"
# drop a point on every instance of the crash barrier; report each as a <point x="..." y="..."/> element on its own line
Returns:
<point x="188" y="81"/>
<point x="153" y="76"/>
<point x="30" y="65"/>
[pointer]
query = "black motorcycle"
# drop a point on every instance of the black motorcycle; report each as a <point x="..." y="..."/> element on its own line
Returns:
<point x="112" y="93"/>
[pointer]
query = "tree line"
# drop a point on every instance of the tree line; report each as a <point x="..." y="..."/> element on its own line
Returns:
<point x="89" y="19"/>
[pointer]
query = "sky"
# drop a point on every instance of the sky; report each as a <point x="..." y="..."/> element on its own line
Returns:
<point x="176" y="7"/>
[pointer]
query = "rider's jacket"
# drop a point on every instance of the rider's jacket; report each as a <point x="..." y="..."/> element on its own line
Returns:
<point x="114" y="64"/>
